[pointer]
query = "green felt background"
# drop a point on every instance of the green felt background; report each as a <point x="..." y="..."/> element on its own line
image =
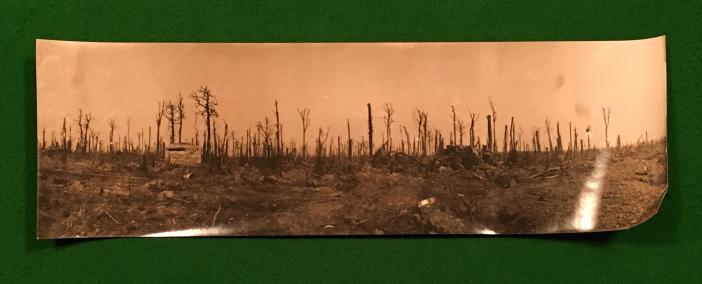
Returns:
<point x="664" y="248"/>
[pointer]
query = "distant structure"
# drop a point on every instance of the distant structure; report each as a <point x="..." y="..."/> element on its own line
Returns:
<point x="183" y="154"/>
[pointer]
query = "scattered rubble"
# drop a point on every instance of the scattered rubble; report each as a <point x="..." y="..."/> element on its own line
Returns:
<point x="548" y="173"/>
<point x="276" y="180"/>
<point x="506" y="179"/>
<point x="455" y="192"/>
<point x="164" y="194"/>
<point x="426" y="202"/>
<point x="296" y="176"/>
<point x="462" y="157"/>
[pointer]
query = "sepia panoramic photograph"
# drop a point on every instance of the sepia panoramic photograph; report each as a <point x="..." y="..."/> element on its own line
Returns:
<point x="298" y="139"/>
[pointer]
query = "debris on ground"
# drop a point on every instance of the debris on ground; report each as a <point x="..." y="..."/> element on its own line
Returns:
<point x="277" y="180"/>
<point x="506" y="179"/>
<point x="548" y="173"/>
<point x="456" y="191"/>
<point x="642" y="172"/>
<point x="296" y="176"/>
<point x="426" y="202"/>
<point x="166" y="193"/>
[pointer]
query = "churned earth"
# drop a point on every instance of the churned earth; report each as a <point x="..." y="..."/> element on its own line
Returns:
<point x="596" y="191"/>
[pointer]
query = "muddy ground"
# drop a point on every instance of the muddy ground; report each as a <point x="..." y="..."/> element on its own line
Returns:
<point x="88" y="197"/>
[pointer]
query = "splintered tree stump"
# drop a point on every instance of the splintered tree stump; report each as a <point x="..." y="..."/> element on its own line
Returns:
<point x="504" y="145"/>
<point x="559" y="141"/>
<point x="370" y="130"/>
<point x="489" y="133"/>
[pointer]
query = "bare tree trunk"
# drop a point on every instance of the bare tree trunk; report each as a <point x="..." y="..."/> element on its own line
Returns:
<point x="242" y="152"/>
<point x="128" y="142"/>
<point x="389" y="111"/>
<point x="80" y="128"/>
<point x="422" y="131"/>
<point x="548" y="132"/>
<point x="512" y="142"/>
<point x="472" y="131"/>
<point x="533" y="140"/>
<point x="197" y="133"/>
<point x="181" y="116"/>
<point x="214" y="146"/>
<point x="180" y="132"/>
<point x="304" y="144"/>
<point x="575" y="142"/>
<point x="436" y="141"/>
<point x="256" y="142"/>
<point x="426" y="133"/>
<point x="70" y="136"/>
<point x="208" y="143"/>
<point x="225" y="141"/>
<point x="349" y="142"/>
<point x="605" y="114"/>
<point x="409" y="143"/>
<point x="461" y="131"/>
<point x="278" y="144"/>
<point x="559" y="143"/>
<point x="248" y="143"/>
<point x="489" y="144"/>
<point x="204" y="139"/>
<point x="370" y="130"/>
<point x="504" y="145"/>
<point x="305" y="118"/>
<point x="441" y="143"/>
<point x="570" y="136"/>
<point x="493" y="146"/>
<point x="494" y="132"/>
<point x="148" y="147"/>
<point x="453" y="134"/>
<point x="88" y="118"/>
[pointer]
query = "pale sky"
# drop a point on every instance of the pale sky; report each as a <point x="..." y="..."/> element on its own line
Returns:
<point x="562" y="81"/>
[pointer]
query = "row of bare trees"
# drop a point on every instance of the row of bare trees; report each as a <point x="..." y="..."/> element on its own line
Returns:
<point x="266" y="139"/>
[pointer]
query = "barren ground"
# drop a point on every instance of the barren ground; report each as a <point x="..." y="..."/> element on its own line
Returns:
<point x="84" y="197"/>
